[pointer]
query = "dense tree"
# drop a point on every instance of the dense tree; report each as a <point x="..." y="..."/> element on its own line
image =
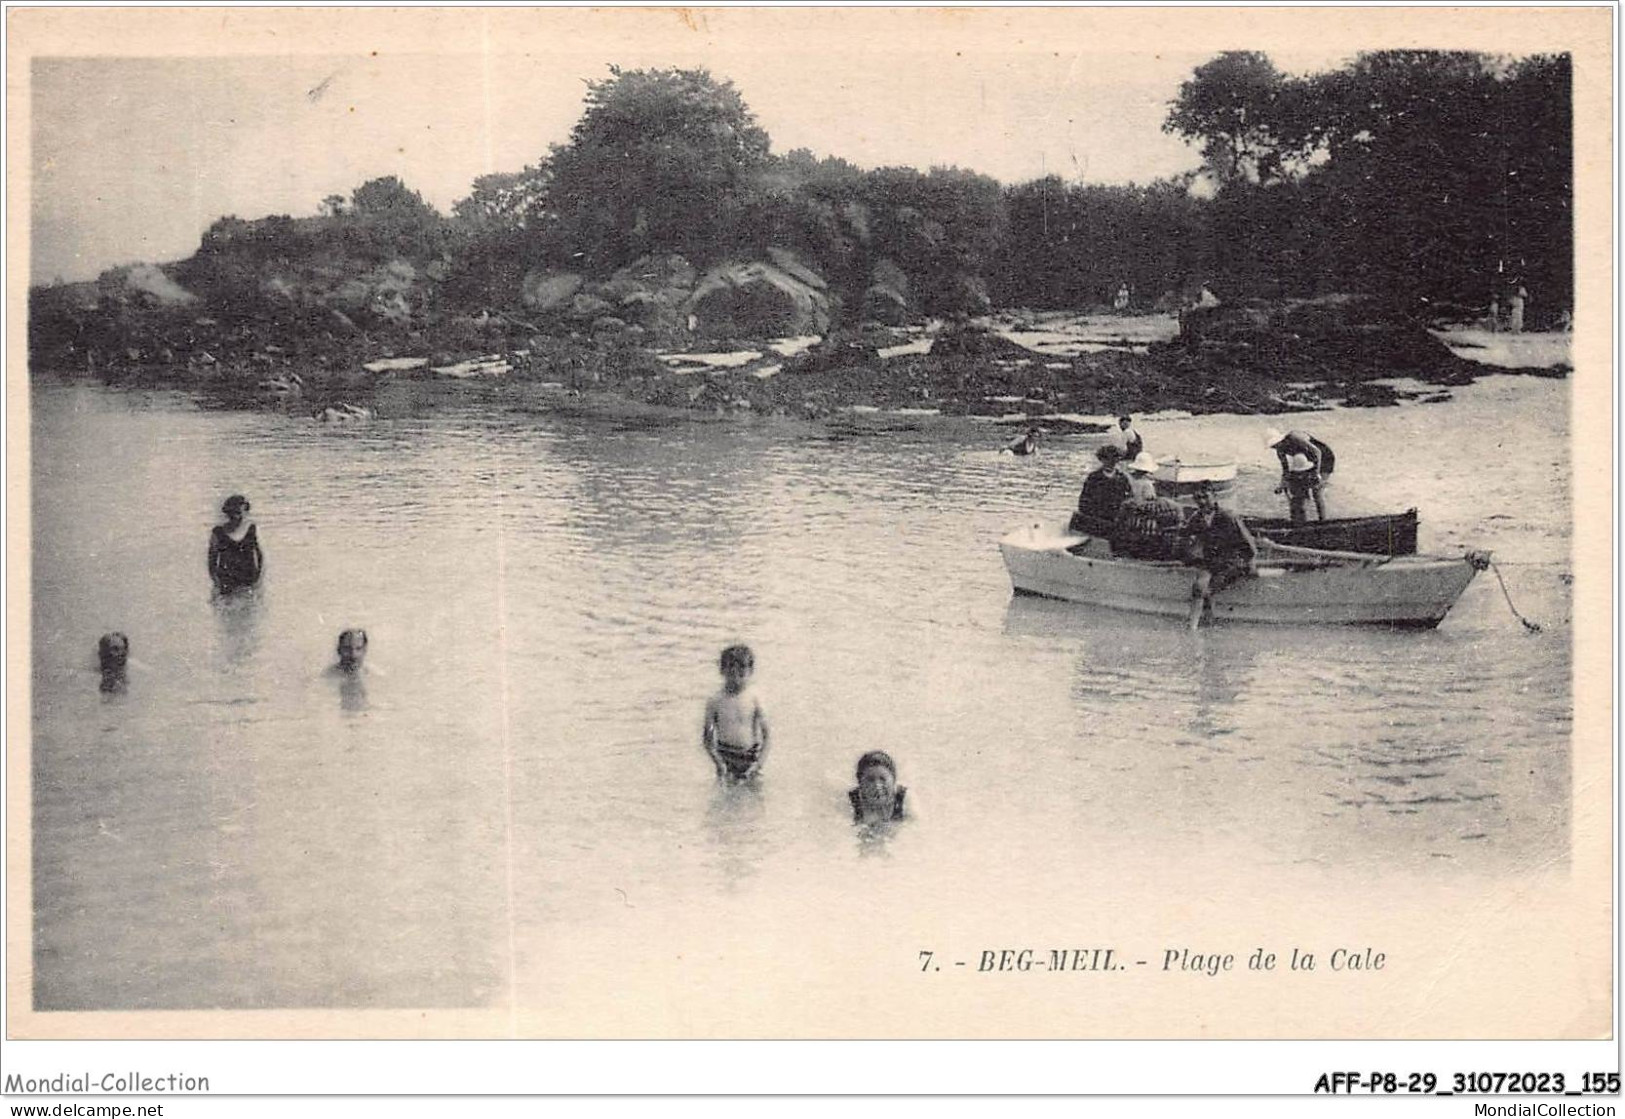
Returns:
<point x="1253" y="123"/>
<point x="1071" y="246"/>
<point x="1427" y="176"/>
<point x="505" y="201"/>
<point x="660" y="161"/>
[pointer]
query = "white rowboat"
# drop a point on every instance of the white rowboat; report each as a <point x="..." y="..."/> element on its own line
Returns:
<point x="1175" y="478"/>
<point x="1294" y="586"/>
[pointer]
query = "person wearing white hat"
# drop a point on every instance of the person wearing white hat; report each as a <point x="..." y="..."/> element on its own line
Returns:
<point x="1140" y="468"/>
<point x="1305" y="464"/>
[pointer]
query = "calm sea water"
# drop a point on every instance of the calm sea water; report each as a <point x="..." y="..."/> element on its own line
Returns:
<point x="518" y="789"/>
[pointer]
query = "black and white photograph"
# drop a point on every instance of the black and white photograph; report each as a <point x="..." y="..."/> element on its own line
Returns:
<point x="810" y="523"/>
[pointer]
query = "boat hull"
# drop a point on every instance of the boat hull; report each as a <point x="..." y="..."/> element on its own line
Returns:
<point x="1392" y="534"/>
<point x="1182" y="479"/>
<point x="1415" y="591"/>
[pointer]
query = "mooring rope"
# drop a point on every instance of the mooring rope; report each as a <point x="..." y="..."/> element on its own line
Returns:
<point x="1480" y="561"/>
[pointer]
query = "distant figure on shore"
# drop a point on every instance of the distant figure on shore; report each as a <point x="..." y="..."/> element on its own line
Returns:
<point x="1027" y="444"/>
<point x="235" y="559"/>
<point x="736" y="734"/>
<point x="1120" y="303"/>
<point x="113" y="658"/>
<point x="877" y="798"/>
<point x="1221" y="548"/>
<point x="1495" y="314"/>
<point x="1126" y="439"/>
<point x="1102" y="495"/>
<point x="1520" y="296"/>
<point x="1305" y="482"/>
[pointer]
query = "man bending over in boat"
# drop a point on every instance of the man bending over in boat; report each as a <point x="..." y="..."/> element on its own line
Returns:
<point x="1222" y="549"/>
<point x="1103" y="494"/>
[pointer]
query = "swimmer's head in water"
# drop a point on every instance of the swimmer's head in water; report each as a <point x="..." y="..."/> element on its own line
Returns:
<point x="1124" y="421"/>
<point x="737" y="663"/>
<point x="877" y="777"/>
<point x="235" y="506"/>
<point x="352" y="648"/>
<point x="113" y="652"/>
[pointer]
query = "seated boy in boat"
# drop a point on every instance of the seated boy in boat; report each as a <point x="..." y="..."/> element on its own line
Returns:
<point x="735" y="734"/>
<point x="877" y="798"/>
<point x="1221" y="548"/>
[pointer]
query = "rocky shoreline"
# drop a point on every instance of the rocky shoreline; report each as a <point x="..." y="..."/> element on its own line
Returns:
<point x="1055" y="369"/>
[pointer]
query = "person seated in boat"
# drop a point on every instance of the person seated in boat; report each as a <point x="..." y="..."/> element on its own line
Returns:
<point x="235" y="559"/>
<point x="1103" y="493"/>
<point x="877" y="798"/>
<point x="1126" y="439"/>
<point x="1321" y="459"/>
<point x="1139" y="470"/>
<point x="1220" y="547"/>
<point x="736" y="734"/>
<point x="1026" y="445"/>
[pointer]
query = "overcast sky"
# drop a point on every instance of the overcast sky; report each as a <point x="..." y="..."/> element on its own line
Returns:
<point x="133" y="158"/>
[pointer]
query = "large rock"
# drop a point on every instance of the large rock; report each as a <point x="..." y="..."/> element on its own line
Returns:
<point x="146" y="283"/>
<point x="968" y="295"/>
<point x="386" y="292"/>
<point x="787" y="262"/>
<point x="1334" y="337"/>
<point x="549" y="291"/>
<point x="885" y="300"/>
<point x="758" y="299"/>
<point x="668" y="279"/>
<point x="652" y="292"/>
<point x="587" y="306"/>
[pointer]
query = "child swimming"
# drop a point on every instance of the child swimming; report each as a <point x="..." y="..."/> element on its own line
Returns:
<point x="878" y="797"/>
<point x="113" y="658"/>
<point x="235" y="559"/>
<point x="352" y="651"/>
<point x="735" y="734"/>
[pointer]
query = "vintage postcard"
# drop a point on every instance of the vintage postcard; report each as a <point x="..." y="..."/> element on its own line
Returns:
<point x="794" y="523"/>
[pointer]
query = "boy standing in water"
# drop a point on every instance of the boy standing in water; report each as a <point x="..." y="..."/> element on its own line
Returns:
<point x="735" y="734"/>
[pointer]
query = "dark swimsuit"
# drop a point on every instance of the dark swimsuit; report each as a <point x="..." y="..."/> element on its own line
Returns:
<point x="857" y="804"/>
<point x="738" y="759"/>
<point x="234" y="564"/>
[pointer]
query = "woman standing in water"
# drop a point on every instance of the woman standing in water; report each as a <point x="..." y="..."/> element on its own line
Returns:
<point x="235" y="559"/>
